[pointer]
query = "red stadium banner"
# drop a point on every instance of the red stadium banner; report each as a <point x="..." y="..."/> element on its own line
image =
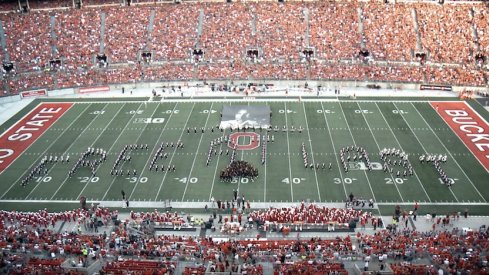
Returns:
<point x="34" y="93"/>
<point x="94" y="89"/>
<point x="436" y="88"/>
<point x="26" y="131"/>
<point x="471" y="128"/>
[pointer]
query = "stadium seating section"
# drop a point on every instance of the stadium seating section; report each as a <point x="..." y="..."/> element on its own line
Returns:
<point x="30" y="246"/>
<point x="418" y="42"/>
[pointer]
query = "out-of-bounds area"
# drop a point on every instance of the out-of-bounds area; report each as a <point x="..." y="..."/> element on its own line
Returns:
<point x="391" y="151"/>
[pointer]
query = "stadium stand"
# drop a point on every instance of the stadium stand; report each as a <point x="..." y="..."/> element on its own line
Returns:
<point x="30" y="244"/>
<point x="357" y="41"/>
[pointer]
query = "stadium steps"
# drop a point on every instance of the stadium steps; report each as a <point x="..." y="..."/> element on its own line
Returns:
<point x="474" y="30"/>
<point x="253" y="24"/>
<point x="305" y="11"/>
<point x="200" y="26"/>
<point x="419" y="45"/>
<point x="102" y="32"/>
<point x="360" y="29"/>
<point x="151" y="23"/>
<point x="54" y="38"/>
<point x="3" y="43"/>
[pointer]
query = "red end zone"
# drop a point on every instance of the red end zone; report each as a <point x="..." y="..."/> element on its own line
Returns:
<point x="22" y="134"/>
<point x="469" y="127"/>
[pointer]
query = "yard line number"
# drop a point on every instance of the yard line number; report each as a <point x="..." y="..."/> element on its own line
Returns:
<point x="135" y="179"/>
<point x="345" y="180"/>
<point x="293" y="180"/>
<point x="395" y="180"/>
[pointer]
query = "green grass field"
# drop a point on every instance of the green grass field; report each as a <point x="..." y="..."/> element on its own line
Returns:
<point x="411" y="126"/>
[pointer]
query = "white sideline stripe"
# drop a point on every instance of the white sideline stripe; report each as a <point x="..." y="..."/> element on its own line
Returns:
<point x="240" y="99"/>
<point x="255" y="205"/>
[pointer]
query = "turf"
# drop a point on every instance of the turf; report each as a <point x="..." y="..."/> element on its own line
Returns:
<point x="412" y="126"/>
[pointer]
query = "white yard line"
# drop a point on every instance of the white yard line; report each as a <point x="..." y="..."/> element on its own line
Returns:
<point x="370" y="129"/>
<point x="174" y="150"/>
<point x="456" y="162"/>
<point x="256" y="205"/>
<point x="44" y="152"/>
<point x="137" y="139"/>
<point x="395" y="137"/>
<point x="152" y="151"/>
<point x="195" y="158"/>
<point x="73" y="143"/>
<point x="217" y="166"/>
<point x="312" y="152"/>
<point x="365" y="172"/>
<point x="422" y="146"/>
<point x="84" y="187"/>
<point x="334" y="154"/>
<point x="288" y="151"/>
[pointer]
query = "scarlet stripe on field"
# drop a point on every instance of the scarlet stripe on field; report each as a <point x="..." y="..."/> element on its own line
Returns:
<point x="468" y="126"/>
<point x="25" y="132"/>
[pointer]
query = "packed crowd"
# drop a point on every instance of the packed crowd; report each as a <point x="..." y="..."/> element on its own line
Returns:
<point x="453" y="42"/>
<point x="22" y="234"/>
<point x="279" y="33"/>
<point x="238" y="169"/>
<point x="78" y="37"/>
<point x="174" y="32"/>
<point x="451" y="251"/>
<point x="310" y="213"/>
<point x="389" y="31"/>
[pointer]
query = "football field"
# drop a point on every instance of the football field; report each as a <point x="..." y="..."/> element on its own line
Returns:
<point x="412" y="127"/>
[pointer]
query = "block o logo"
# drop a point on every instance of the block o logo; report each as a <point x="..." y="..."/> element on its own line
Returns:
<point x="252" y="137"/>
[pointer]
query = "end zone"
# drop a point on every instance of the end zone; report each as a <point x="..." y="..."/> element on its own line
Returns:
<point x="468" y="125"/>
<point x="26" y="131"/>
